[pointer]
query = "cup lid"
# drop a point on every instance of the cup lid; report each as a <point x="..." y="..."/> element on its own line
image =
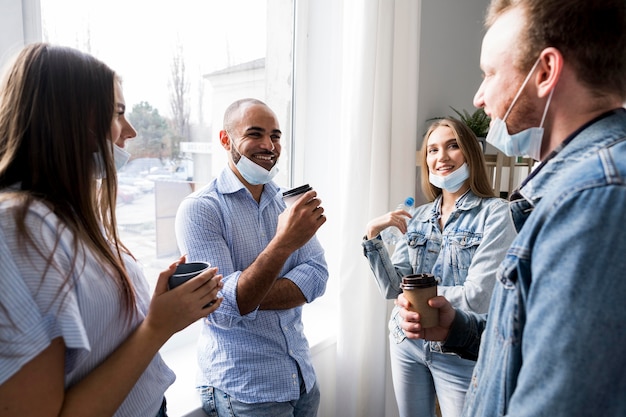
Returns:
<point x="297" y="190"/>
<point x="418" y="281"/>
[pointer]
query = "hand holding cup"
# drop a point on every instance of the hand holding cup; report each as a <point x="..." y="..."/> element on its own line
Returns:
<point x="418" y="289"/>
<point x="185" y="271"/>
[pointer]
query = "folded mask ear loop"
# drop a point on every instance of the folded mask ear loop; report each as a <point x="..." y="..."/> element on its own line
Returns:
<point x="545" y="111"/>
<point x="519" y="92"/>
<point x="232" y="142"/>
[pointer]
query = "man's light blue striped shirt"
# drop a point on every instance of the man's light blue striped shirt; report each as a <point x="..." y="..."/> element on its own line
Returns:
<point x="254" y="358"/>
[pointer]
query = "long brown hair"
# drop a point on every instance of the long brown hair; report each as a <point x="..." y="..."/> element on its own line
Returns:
<point x="472" y="151"/>
<point x="56" y="108"/>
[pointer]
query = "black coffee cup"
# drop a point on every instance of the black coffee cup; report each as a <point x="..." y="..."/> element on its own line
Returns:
<point x="184" y="272"/>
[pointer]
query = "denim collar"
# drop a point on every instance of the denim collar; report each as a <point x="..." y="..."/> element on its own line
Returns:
<point x="467" y="201"/>
<point x="580" y="145"/>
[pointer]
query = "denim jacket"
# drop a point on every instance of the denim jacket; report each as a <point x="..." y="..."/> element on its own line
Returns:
<point x="554" y="341"/>
<point x="463" y="257"/>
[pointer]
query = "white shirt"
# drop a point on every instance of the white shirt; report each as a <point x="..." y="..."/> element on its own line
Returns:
<point x="86" y="310"/>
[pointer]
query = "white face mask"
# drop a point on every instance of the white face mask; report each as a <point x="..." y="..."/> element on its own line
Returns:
<point x="120" y="158"/>
<point x="524" y="143"/>
<point x="451" y="182"/>
<point x="253" y="173"/>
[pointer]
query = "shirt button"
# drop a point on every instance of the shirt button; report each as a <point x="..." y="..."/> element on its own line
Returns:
<point x="294" y="376"/>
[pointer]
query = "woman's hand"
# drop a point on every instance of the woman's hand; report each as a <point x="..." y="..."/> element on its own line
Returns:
<point x="396" y="218"/>
<point x="411" y="320"/>
<point x="172" y="310"/>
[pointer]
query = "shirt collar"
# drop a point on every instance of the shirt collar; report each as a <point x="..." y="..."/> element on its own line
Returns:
<point x="228" y="183"/>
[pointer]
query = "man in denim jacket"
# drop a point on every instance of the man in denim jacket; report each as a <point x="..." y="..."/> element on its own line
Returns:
<point x="553" y="342"/>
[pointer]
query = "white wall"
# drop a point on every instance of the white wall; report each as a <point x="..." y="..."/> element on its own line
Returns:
<point x="449" y="58"/>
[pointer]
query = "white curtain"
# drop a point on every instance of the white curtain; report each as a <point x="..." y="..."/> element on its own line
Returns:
<point x="379" y="133"/>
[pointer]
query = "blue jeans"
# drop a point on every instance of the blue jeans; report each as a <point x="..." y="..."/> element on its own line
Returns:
<point x="217" y="403"/>
<point x="419" y="374"/>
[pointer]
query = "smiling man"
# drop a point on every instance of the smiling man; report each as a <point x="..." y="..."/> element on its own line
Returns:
<point x="554" y="84"/>
<point x="253" y="354"/>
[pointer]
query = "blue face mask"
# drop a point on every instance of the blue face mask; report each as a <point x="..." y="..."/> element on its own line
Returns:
<point x="524" y="143"/>
<point x="451" y="182"/>
<point x="120" y="158"/>
<point x="253" y="173"/>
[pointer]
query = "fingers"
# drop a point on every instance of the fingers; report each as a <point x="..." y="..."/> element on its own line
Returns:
<point x="409" y="316"/>
<point x="319" y="211"/>
<point x="438" y="302"/>
<point x="204" y="288"/>
<point x="399" y="220"/>
<point x="162" y="281"/>
<point x="162" y="285"/>
<point x="210" y="291"/>
<point x="411" y="326"/>
<point x="402" y="301"/>
<point x="208" y="279"/>
<point x="310" y="201"/>
<point x="214" y="284"/>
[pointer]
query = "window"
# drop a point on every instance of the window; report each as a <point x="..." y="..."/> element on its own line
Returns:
<point x="210" y="53"/>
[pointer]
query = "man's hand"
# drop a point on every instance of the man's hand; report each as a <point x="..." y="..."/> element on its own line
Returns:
<point x="299" y="223"/>
<point x="411" y="320"/>
<point x="296" y="226"/>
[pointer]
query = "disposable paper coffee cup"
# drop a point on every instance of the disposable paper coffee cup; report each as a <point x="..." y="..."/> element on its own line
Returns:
<point x="418" y="289"/>
<point x="290" y="196"/>
<point x="184" y="272"/>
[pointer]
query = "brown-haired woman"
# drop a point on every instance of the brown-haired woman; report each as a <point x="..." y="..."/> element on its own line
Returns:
<point x="79" y="334"/>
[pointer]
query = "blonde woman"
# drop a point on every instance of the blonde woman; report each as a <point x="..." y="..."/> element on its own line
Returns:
<point x="79" y="334"/>
<point x="460" y="237"/>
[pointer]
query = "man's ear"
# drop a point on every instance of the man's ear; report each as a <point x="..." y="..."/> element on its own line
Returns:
<point x="225" y="140"/>
<point x="549" y="72"/>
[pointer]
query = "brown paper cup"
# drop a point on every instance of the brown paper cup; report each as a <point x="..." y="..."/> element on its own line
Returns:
<point x="418" y="297"/>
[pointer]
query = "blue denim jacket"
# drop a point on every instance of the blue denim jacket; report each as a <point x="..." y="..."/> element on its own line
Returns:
<point x="463" y="258"/>
<point x="554" y="341"/>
